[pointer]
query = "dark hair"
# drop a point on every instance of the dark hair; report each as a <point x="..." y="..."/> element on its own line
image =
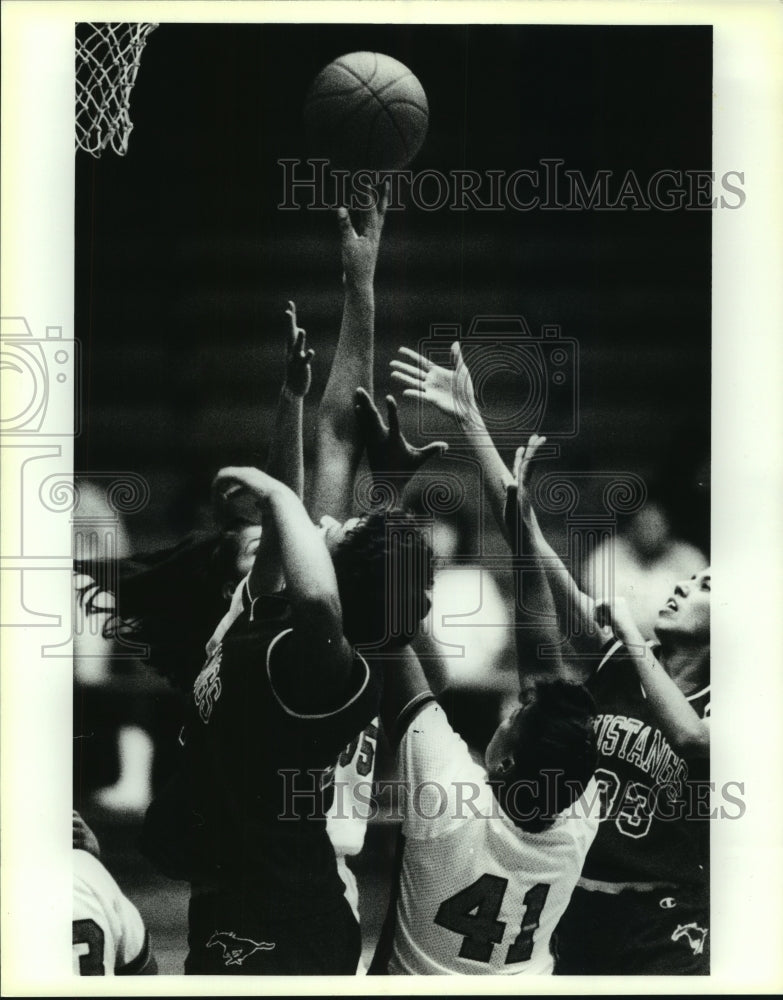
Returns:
<point x="170" y="600"/>
<point x="384" y="570"/>
<point x="556" y="752"/>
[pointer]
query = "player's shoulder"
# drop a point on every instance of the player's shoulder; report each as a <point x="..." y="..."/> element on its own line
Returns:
<point x="699" y="700"/>
<point x="612" y="673"/>
<point x="424" y="710"/>
<point x="611" y="656"/>
<point x="430" y="748"/>
<point x="95" y="892"/>
<point x="90" y="872"/>
<point x="614" y="653"/>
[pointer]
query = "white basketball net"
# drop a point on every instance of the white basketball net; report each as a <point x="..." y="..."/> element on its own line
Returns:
<point x="107" y="61"/>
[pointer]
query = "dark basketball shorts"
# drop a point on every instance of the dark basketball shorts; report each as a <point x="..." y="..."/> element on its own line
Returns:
<point x="230" y="935"/>
<point x="655" y="932"/>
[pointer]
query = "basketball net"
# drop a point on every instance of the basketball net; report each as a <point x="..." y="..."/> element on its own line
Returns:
<point x="107" y="61"/>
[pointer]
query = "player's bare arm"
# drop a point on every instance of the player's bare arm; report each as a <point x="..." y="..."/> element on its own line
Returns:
<point x="286" y="461"/>
<point x="450" y="390"/>
<point x="338" y="444"/>
<point x="404" y="685"/>
<point x="688" y="734"/>
<point x="535" y="620"/>
<point x="575" y="610"/>
<point x="286" y="453"/>
<point x="318" y="657"/>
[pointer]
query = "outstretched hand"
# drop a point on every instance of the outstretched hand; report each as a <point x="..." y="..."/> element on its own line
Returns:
<point x="522" y="459"/>
<point x="360" y="243"/>
<point x="387" y="449"/>
<point x="449" y="390"/>
<point x="518" y="503"/>
<point x="616" y="615"/>
<point x="298" y="375"/>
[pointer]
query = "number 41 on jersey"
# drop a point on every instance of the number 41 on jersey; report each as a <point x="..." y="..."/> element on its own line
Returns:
<point x="473" y="913"/>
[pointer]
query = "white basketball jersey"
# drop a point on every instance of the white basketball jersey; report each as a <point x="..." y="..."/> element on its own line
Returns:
<point x="477" y="895"/>
<point x="108" y="932"/>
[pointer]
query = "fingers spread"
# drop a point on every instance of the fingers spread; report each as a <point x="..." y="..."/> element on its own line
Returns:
<point x="420" y="360"/>
<point x="408" y="369"/>
<point x="407" y="380"/>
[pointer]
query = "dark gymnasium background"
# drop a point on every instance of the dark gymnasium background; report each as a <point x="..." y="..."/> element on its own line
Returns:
<point x="184" y="265"/>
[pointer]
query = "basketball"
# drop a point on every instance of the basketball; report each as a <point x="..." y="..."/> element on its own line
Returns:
<point x="366" y="110"/>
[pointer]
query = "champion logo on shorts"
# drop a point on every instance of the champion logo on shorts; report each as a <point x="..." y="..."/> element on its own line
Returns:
<point x="237" y="949"/>
<point x="693" y="934"/>
<point x="667" y="903"/>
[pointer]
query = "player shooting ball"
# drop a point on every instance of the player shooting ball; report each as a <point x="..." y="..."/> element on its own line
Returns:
<point x="284" y="688"/>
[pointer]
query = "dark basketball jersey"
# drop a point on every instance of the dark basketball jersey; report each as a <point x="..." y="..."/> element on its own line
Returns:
<point x="655" y="803"/>
<point x="256" y="779"/>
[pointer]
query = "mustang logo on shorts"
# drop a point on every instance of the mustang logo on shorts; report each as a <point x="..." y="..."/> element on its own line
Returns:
<point x="694" y="934"/>
<point x="237" y="949"/>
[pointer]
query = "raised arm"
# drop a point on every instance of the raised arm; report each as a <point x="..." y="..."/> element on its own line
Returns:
<point x="286" y="461"/>
<point x="339" y="443"/>
<point x="688" y="734"/>
<point x="539" y="641"/>
<point x="450" y="390"/>
<point x="405" y="686"/>
<point x="319" y="658"/>
<point x="575" y="610"/>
